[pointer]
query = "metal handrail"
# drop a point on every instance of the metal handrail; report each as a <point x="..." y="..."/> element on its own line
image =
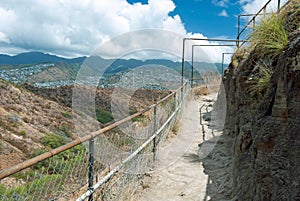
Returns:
<point x="129" y="158"/>
<point x="252" y="20"/>
<point x="29" y="163"/>
<point x="223" y="54"/>
<point x="212" y="45"/>
<point x="203" y="39"/>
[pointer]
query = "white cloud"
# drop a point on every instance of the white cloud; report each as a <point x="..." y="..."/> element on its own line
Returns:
<point x="76" y="27"/>
<point x="253" y="6"/>
<point x="223" y="13"/>
<point x="221" y="3"/>
<point x="3" y="38"/>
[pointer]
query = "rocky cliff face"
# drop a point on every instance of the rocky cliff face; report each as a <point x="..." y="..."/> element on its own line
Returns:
<point x="265" y="127"/>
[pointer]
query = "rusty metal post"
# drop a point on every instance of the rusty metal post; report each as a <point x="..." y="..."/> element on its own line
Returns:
<point x="91" y="168"/>
<point x="192" y="67"/>
<point x="154" y="131"/>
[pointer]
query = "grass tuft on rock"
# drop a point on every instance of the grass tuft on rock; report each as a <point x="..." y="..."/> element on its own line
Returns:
<point x="270" y="35"/>
<point x="260" y="81"/>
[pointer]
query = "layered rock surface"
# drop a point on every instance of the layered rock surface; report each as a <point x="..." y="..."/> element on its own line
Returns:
<point x="266" y="128"/>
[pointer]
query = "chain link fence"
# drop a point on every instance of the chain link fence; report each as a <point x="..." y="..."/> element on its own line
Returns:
<point x="105" y="165"/>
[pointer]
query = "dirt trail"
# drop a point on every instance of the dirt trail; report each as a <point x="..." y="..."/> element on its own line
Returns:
<point x="179" y="173"/>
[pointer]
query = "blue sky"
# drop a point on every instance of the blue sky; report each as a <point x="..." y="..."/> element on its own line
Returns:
<point x="72" y="28"/>
<point x="211" y="18"/>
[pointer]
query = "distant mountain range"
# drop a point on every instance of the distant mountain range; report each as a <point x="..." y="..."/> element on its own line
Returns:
<point x="116" y="66"/>
<point x="35" y="58"/>
<point x="45" y="70"/>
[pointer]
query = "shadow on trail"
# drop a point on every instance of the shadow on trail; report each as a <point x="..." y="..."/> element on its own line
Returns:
<point x="215" y="152"/>
<point x="217" y="165"/>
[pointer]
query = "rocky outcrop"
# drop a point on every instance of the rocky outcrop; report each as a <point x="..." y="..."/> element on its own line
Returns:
<point x="266" y="128"/>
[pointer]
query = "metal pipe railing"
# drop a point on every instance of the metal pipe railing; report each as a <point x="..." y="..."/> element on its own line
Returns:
<point x="223" y="54"/>
<point x="130" y="157"/>
<point x="212" y="45"/>
<point x="252" y="20"/>
<point x="204" y="39"/>
<point x="29" y="163"/>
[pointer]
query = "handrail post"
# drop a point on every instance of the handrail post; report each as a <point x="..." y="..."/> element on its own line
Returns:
<point x="182" y="61"/>
<point x="154" y="131"/>
<point x="222" y="64"/>
<point x="91" y="168"/>
<point x="238" y="36"/>
<point x="192" y="66"/>
<point x="174" y="99"/>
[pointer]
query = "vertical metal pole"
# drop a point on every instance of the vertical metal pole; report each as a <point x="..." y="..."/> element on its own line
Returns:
<point x="278" y="6"/>
<point x="192" y="66"/>
<point x="238" y="36"/>
<point x="91" y="167"/>
<point x="182" y="68"/>
<point x="222" y="64"/>
<point x="154" y="130"/>
<point x="174" y="102"/>
<point x="182" y="62"/>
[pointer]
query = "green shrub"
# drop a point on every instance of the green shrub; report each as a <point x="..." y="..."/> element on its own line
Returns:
<point x="53" y="140"/>
<point x="103" y="116"/>
<point x="67" y="114"/>
<point x="37" y="152"/>
<point x="65" y="130"/>
<point x="28" y="191"/>
<point x="2" y="189"/>
<point x="56" y="164"/>
<point x="138" y="118"/>
<point x="270" y="35"/>
<point x="27" y="175"/>
<point x="23" y="133"/>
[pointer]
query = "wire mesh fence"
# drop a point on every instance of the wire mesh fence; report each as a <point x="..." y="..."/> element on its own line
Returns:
<point x="51" y="179"/>
<point x="119" y="157"/>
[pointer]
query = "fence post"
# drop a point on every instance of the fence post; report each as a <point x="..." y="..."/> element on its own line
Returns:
<point x="238" y="36"/>
<point x="175" y="102"/>
<point x="91" y="167"/>
<point x="154" y="130"/>
<point x="278" y="6"/>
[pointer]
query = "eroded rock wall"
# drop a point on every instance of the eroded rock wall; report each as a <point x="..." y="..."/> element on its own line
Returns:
<point x="266" y="129"/>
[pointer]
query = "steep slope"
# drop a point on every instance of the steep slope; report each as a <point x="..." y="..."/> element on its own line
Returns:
<point x="36" y="119"/>
<point x="25" y="120"/>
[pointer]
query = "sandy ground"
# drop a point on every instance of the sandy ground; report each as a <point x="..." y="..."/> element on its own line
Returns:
<point x="179" y="173"/>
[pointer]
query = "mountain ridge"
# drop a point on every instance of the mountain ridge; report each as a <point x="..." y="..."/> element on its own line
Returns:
<point x="36" y="57"/>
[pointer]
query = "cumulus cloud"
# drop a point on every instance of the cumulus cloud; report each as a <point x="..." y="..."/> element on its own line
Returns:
<point x="221" y="3"/>
<point x="77" y="27"/>
<point x="223" y="13"/>
<point x="253" y="6"/>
